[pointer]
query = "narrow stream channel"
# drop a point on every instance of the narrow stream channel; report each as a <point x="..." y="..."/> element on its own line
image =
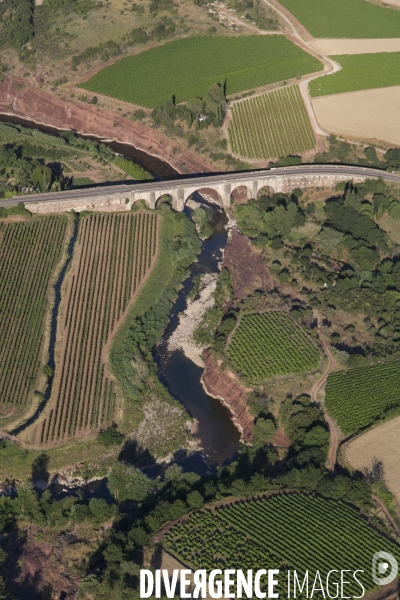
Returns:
<point x="53" y="328"/>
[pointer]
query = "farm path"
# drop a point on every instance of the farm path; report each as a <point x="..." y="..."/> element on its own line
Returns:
<point x="387" y="514"/>
<point x="300" y="36"/>
<point x="335" y="433"/>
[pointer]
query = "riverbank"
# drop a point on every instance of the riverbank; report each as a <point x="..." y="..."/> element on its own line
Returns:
<point x="43" y="109"/>
<point x="189" y="320"/>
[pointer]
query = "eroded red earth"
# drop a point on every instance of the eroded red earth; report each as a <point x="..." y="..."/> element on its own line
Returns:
<point x="32" y="103"/>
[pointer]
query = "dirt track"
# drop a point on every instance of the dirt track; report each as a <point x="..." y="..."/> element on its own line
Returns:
<point x="300" y="36"/>
<point x="332" y="47"/>
<point x="389" y="517"/>
<point x="316" y="388"/>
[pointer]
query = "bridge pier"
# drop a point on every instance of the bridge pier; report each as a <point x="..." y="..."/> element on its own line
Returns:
<point x="178" y="199"/>
<point x="123" y="197"/>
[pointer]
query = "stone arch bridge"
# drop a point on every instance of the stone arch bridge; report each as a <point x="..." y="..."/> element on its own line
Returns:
<point x="123" y="196"/>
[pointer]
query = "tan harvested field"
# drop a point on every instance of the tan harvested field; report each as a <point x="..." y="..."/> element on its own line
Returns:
<point x="367" y="114"/>
<point x="392" y="2"/>
<point x="113" y="257"/>
<point x="333" y="47"/>
<point x="382" y="443"/>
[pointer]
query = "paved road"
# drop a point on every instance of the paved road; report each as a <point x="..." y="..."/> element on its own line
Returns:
<point x="203" y="181"/>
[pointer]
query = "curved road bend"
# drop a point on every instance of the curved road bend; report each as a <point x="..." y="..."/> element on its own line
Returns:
<point x="203" y="181"/>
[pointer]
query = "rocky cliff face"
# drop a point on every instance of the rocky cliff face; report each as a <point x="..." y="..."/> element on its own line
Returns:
<point x="20" y="100"/>
<point x="226" y="387"/>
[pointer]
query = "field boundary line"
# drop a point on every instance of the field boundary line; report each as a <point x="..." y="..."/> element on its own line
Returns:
<point x="336" y="436"/>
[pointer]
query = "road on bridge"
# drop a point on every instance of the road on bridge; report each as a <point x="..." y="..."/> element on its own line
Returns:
<point x="203" y="181"/>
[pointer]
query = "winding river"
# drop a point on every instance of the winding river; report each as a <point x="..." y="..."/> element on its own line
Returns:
<point x="216" y="433"/>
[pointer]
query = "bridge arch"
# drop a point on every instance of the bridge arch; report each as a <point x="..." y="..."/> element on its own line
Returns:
<point x="163" y="199"/>
<point x="144" y="199"/>
<point x="241" y="193"/>
<point x="265" y="190"/>
<point x="209" y="194"/>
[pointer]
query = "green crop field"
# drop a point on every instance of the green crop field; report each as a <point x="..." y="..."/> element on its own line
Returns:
<point x="345" y="18"/>
<point x="299" y="531"/>
<point x="271" y="344"/>
<point x="359" y="72"/>
<point x="272" y="125"/>
<point x="188" y="67"/>
<point x="29" y="252"/>
<point x="359" y="397"/>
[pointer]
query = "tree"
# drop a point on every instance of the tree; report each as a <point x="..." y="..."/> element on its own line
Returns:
<point x="138" y="36"/>
<point x="128" y="483"/>
<point x="48" y="371"/>
<point x="19" y="27"/>
<point x="110" y="437"/>
<point x="370" y="155"/>
<point x="40" y="467"/>
<point x="317" y="436"/>
<point x="264" y="431"/>
<point x="376" y="471"/>
<point x="41" y="177"/>
<point x="174" y="474"/>
<point x="100" y="510"/>
<point x="195" y="500"/>
<point x="27" y="503"/>
<point x="8" y="514"/>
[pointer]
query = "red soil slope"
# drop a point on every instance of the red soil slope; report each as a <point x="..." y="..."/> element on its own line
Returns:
<point x="67" y="113"/>
<point x="224" y="386"/>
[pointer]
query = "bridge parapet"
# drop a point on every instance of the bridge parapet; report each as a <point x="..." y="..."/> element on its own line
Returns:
<point x="181" y="189"/>
<point x="102" y="203"/>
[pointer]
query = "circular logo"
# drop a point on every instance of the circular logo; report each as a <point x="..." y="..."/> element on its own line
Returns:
<point x="381" y="562"/>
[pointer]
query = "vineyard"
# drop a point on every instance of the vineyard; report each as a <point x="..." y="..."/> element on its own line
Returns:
<point x="114" y="255"/>
<point x="271" y="125"/>
<point x="294" y="530"/>
<point x="188" y="67"/>
<point x="345" y="18"/>
<point x="29" y="252"/>
<point x="271" y="344"/>
<point x="359" y="397"/>
<point x="359" y="72"/>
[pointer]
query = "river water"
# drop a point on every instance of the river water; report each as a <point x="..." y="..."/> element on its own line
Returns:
<point x="218" y="436"/>
<point x="216" y="432"/>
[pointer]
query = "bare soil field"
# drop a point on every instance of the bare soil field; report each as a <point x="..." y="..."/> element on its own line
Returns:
<point x="382" y="443"/>
<point x="371" y="114"/>
<point x="392" y="2"/>
<point x="333" y="47"/>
